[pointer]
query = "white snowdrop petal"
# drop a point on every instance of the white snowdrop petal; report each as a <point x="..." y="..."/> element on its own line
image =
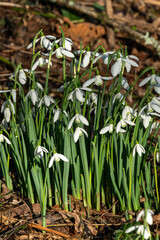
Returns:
<point x="31" y="44"/>
<point x="149" y="218"/>
<point x="76" y="134"/>
<point x="44" y="149"/>
<point x="34" y="96"/>
<point x="79" y="95"/>
<point x="35" y="65"/>
<point x="12" y="107"/>
<point x="5" y="91"/>
<point x="128" y="67"/>
<point x="125" y="83"/>
<point x="155" y="107"/>
<point x="84" y="131"/>
<point x="51" y="162"/>
<point x="50" y="37"/>
<point x="61" y="156"/>
<point x="89" y="82"/>
<point x="144" y="81"/>
<point x="107" y="78"/>
<point x="119" y="124"/>
<point x="140" y="214"/>
<point x="98" y="81"/>
<point x="46" y="43"/>
<point x="56" y="115"/>
<point x="157" y="88"/>
<point x="131" y="62"/>
<point x="6" y="139"/>
<point x="86" y="59"/>
<point x="71" y="122"/>
<point x="157" y="79"/>
<point x="134" y="151"/>
<point x="7" y="114"/>
<point x="97" y="58"/>
<point x="104" y="130"/>
<point x="129" y="122"/>
<point x="13" y="92"/>
<point x="139" y="150"/>
<point x="86" y="89"/>
<point x="83" y="120"/>
<point x="67" y="53"/>
<point x="131" y="229"/>
<point x="116" y="68"/>
<point x="22" y="77"/>
<point x="134" y="57"/>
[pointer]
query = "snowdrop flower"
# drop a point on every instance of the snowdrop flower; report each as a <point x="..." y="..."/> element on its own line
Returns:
<point x="139" y="149"/>
<point x="153" y="108"/>
<point x="153" y="80"/>
<point x="96" y="80"/>
<point x="7" y="114"/>
<point x="127" y="113"/>
<point x="104" y="57"/>
<point x="146" y="120"/>
<point x="130" y="63"/>
<point x="57" y="113"/>
<point x="117" y="66"/>
<point x="78" y="132"/>
<point x="141" y="229"/>
<point x="44" y="42"/>
<point x="33" y="96"/>
<point x="38" y="86"/>
<point x="154" y="105"/>
<point x="123" y="123"/>
<point x="94" y="98"/>
<point x="57" y="157"/>
<point x="119" y="96"/>
<point x="60" y="51"/>
<point x="78" y="118"/>
<point x="65" y="43"/>
<point x="3" y="138"/>
<point x="86" y="59"/>
<point x="47" y="100"/>
<point x="6" y="108"/>
<point x="78" y="94"/>
<point x="21" y="76"/>
<point x="149" y="218"/>
<point x="119" y="129"/>
<point x="154" y="126"/>
<point x="124" y="84"/>
<point x="108" y="128"/>
<point x="39" y="151"/>
<point x="40" y="62"/>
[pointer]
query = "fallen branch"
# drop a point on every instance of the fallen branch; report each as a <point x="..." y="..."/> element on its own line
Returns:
<point x="37" y="226"/>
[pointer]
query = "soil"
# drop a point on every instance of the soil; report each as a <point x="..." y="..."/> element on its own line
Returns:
<point x="19" y="23"/>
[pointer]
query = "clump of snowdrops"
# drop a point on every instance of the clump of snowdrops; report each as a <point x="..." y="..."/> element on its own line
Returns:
<point x="90" y="143"/>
